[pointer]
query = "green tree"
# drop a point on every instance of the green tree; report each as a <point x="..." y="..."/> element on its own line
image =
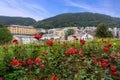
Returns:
<point x="69" y="32"/>
<point x="102" y="31"/>
<point x="5" y="35"/>
<point x="109" y="34"/>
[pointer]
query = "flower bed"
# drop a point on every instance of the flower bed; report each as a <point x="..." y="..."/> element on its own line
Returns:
<point x="78" y="60"/>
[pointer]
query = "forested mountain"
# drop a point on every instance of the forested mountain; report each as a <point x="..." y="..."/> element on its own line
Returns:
<point x="64" y="20"/>
<point x="78" y="19"/>
<point x="16" y="21"/>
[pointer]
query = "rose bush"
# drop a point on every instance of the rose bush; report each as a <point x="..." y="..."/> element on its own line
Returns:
<point x="55" y="60"/>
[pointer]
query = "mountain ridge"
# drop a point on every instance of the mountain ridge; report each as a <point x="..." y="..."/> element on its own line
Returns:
<point x="82" y="19"/>
<point x="9" y="20"/>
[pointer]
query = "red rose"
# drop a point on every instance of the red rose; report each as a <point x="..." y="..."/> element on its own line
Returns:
<point x="40" y="35"/>
<point x="71" y="51"/>
<point x="82" y="41"/>
<point x="50" y="42"/>
<point x="110" y="56"/>
<point x="54" y="78"/>
<point x="109" y="45"/>
<point x="11" y="63"/>
<point x="115" y="73"/>
<point x="99" y="62"/>
<point x="15" y="41"/>
<point x="37" y="36"/>
<point x="106" y="49"/>
<point x="37" y="60"/>
<point x="74" y="37"/>
<point x="104" y="64"/>
<point x="94" y="61"/>
<point x="81" y="55"/>
<point x="23" y="62"/>
<point x="42" y="66"/>
<point x="20" y="64"/>
<point x="30" y="62"/>
<point x="76" y="50"/>
<point x="15" y="62"/>
<point x="67" y="53"/>
<point x="113" y="68"/>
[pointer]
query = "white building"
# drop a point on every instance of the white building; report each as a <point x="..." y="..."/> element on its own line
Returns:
<point x="25" y="39"/>
<point x="40" y="30"/>
<point x="86" y="36"/>
<point x="49" y="36"/>
<point x="115" y="32"/>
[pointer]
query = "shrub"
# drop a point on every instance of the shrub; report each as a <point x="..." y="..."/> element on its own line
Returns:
<point x="5" y="35"/>
<point x="79" y="60"/>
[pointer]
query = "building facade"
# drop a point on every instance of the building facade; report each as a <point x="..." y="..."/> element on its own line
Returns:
<point x="60" y="33"/>
<point x="21" y="30"/>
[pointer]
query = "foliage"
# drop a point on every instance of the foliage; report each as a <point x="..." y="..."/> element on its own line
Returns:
<point x="16" y="20"/>
<point x="109" y="34"/>
<point x="5" y="35"/>
<point x="102" y="31"/>
<point x="77" y="19"/>
<point x="69" y="32"/>
<point x="98" y="59"/>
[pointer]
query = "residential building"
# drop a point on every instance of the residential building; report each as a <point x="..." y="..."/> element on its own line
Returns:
<point x="60" y="33"/>
<point x="21" y="30"/>
<point x="86" y="36"/>
<point x="23" y="34"/>
<point x="39" y="30"/>
<point x="49" y="36"/>
<point x="115" y="32"/>
<point x="25" y="39"/>
<point x="51" y="31"/>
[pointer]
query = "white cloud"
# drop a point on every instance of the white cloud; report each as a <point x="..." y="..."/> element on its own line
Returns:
<point x="22" y="8"/>
<point x="75" y="4"/>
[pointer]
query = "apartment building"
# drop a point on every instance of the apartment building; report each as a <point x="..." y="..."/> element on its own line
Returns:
<point x="21" y="30"/>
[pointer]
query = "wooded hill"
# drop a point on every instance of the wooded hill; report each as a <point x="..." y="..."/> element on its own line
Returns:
<point x="64" y="20"/>
<point x="78" y="19"/>
<point x="16" y="21"/>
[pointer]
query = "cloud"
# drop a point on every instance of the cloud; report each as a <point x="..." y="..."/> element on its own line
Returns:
<point x="103" y="6"/>
<point x="22" y="8"/>
<point x="75" y="4"/>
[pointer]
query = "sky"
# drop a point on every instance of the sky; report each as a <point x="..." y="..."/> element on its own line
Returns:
<point x="42" y="9"/>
